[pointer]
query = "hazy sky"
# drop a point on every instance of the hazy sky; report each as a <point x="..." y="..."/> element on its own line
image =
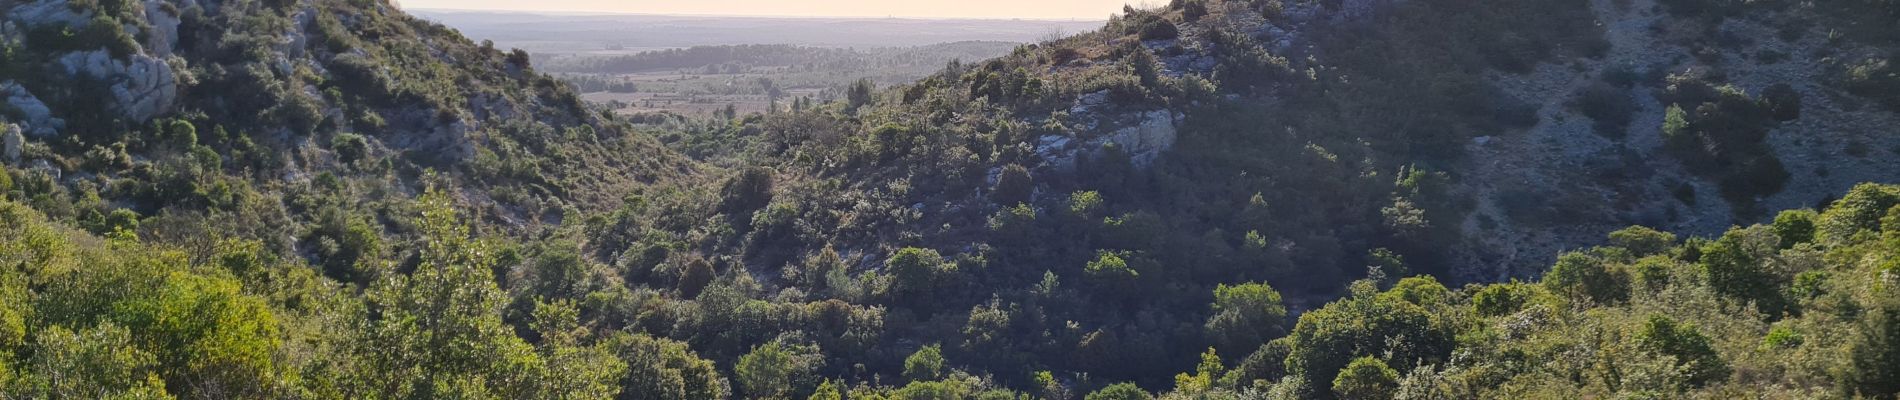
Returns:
<point x="1053" y="9"/>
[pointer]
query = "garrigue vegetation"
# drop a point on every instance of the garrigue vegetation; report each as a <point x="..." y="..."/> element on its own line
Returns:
<point x="395" y="212"/>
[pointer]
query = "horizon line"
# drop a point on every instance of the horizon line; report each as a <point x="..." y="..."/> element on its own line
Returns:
<point x="624" y="13"/>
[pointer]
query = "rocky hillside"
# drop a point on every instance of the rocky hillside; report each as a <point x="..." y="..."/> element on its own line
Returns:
<point x="349" y="202"/>
<point x="1601" y="157"/>
<point x="285" y="91"/>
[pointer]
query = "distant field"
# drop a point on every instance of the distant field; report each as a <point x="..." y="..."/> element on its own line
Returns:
<point x="702" y="80"/>
<point x="614" y="34"/>
<point x="698" y="65"/>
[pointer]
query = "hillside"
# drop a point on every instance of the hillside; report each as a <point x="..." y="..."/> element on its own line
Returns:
<point x="1362" y="199"/>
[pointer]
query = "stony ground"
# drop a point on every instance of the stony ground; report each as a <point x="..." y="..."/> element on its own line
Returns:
<point x="1575" y="171"/>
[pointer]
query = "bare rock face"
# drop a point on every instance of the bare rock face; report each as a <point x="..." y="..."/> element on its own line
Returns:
<point x="11" y="143"/>
<point x="142" y="87"/>
<point x="37" y="118"/>
<point x="1153" y="133"/>
<point x="1144" y="136"/>
<point x="49" y="12"/>
<point x="163" y="28"/>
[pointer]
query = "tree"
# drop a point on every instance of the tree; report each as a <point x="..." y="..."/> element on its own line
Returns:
<point x="859" y="94"/>
<point x="1784" y="103"/>
<point x="1366" y="378"/>
<point x="1860" y="210"/>
<point x="1584" y="277"/>
<point x="1794" y="227"/>
<point x="1245" y="316"/>
<point x="350" y="147"/>
<point x="826" y="391"/>
<point x="746" y="192"/>
<point x="1264" y="366"/>
<point x="1191" y="10"/>
<point x="1675" y="125"/>
<point x="664" y="369"/>
<point x="1738" y="267"/>
<point x="916" y="271"/>
<point x="1692" y="351"/>
<point x="101" y="362"/>
<point x="1365" y="324"/>
<point x="694" y="279"/>
<point x="1120" y="391"/>
<point x="1502" y="298"/>
<point x="776" y="370"/>
<point x="1207" y="374"/>
<point x="1875" y="350"/>
<point x="1013" y="186"/>
<point x="441" y="332"/>
<point x="1643" y="241"/>
<point x="1156" y="28"/>
<point x="924" y="365"/>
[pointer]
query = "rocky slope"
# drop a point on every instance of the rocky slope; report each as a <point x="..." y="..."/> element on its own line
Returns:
<point x="1603" y="183"/>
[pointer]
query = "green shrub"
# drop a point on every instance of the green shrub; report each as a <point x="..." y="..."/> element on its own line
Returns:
<point x="1158" y="29"/>
<point x="1120" y="391"/>
<point x="1366" y="378"/>
<point x="1245" y="316"/>
<point x="1608" y="105"/>
<point x="924" y="365"/>
<point x="350" y="147"/>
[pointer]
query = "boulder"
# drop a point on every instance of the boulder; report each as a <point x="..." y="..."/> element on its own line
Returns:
<point x="49" y="12"/>
<point x="36" y="118"/>
<point x="162" y="37"/>
<point x="1145" y="136"/>
<point x="11" y="143"/>
<point x="142" y="87"/>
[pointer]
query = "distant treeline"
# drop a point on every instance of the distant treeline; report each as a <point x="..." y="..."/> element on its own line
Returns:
<point x="739" y="58"/>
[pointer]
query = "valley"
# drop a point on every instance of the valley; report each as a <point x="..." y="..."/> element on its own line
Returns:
<point x="1203" y="199"/>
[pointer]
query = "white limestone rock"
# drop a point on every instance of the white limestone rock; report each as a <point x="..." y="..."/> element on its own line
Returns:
<point x="11" y="143"/>
<point x="142" y="87"/>
<point x="49" y="12"/>
<point x="37" y="119"/>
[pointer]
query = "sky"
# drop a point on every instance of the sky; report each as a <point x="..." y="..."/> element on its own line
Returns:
<point x="1028" y="9"/>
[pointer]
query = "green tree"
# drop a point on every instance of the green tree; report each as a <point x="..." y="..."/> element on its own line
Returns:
<point x="1366" y="378"/>
<point x="1860" y="210"/>
<point x="776" y="370"/>
<point x="1783" y="102"/>
<point x="664" y="369"/>
<point x="694" y="279"/>
<point x="1263" y="367"/>
<point x="1245" y="316"/>
<point x="101" y="362"/>
<point x="1643" y="241"/>
<point x="1013" y="186"/>
<point x="1502" y="298"/>
<point x="350" y="147"/>
<point x="826" y="391"/>
<point x="916" y="271"/>
<point x="1875" y="352"/>
<point x="1583" y="277"/>
<point x="441" y="333"/>
<point x="1120" y="391"/>
<point x="1794" y="227"/>
<point x="859" y="95"/>
<point x="1365" y="324"/>
<point x="1737" y="267"/>
<point x="748" y="191"/>
<point x="1692" y="351"/>
<point x="924" y="365"/>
